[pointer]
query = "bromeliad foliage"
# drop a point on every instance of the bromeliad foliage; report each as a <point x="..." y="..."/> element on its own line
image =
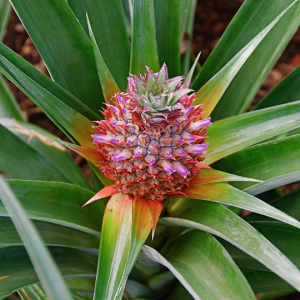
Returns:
<point x="154" y="151"/>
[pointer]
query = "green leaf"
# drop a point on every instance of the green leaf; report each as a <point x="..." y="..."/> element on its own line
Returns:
<point x="268" y="286"/>
<point x="114" y="248"/>
<point x="136" y="290"/>
<point x="226" y="194"/>
<point x="5" y="10"/>
<point x="8" y="58"/>
<point x="105" y="181"/>
<point x="8" y="105"/>
<point x="212" y="176"/>
<point x="167" y="24"/>
<point x="162" y="282"/>
<point x="58" y="203"/>
<point x="290" y="204"/>
<point x="261" y="161"/>
<point x="108" y="84"/>
<point x="82" y="295"/>
<point x="189" y="76"/>
<point x="81" y="283"/>
<point x="133" y="288"/>
<point x="43" y="263"/>
<point x="187" y="14"/>
<point x="42" y="141"/>
<point x="178" y="292"/>
<point x="271" y="195"/>
<point x="146" y="267"/>
<point x="285" y="92"/>
<point x="128" y="8"/>
<point x="143" y="47"/>
<point x="210" y="94"/>
<point x="19" y="160"/>
<point x="64" y="47"/>
<point x="88" y="153"/>
<point x="126" y="225"/>
<point x="92" y="156"/>
<point x="17" y="271"/>
<point x="97" y="184"/>
<point x="218" y="220"/>
<point x="273" y="183"/>
<point x="33" y="292"/>
<point x="52" y="235"/>
<point x="246" y="25"/>
<point x="233" y="134"/>
<point x="286" y="134"/>
<point x="283" y="236"/>
<point x="108" y="23"/>
<point x="204" y="268"/>
<point x="60" y="113"/>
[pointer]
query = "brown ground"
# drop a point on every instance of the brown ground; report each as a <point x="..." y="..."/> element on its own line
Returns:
<point x="212" y="18"/>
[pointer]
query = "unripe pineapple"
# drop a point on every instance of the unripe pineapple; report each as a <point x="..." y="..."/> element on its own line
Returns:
<point x="152" y="140"/>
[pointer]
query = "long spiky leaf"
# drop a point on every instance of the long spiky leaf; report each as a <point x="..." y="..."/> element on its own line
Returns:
<point x="108" y="84"/>
<point x="226" y="194"/>
<point x="64" y="47"/>
<point x="220" y="221"/>
<point x="43" y="263"/>
<point x="73" y="123"/>
<point x="143" y="48"/>
<point x="210" y="94"/>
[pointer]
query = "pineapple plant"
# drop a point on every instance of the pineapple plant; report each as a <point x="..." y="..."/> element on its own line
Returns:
<point x="170" y="150"/>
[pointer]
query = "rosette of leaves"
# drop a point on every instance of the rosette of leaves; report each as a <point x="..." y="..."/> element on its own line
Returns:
<point x="199" y="247"/>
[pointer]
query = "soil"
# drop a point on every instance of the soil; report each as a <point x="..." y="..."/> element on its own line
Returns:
<point x="211" y="19"/>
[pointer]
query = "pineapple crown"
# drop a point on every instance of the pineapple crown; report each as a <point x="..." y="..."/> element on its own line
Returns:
<point x="155" y="92"/>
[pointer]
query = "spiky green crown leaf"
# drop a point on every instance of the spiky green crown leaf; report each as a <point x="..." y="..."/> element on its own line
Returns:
<point x="155" y="91"/>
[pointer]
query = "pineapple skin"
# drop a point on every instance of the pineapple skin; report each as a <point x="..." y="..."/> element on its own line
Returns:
<point x="152" y="141"/>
